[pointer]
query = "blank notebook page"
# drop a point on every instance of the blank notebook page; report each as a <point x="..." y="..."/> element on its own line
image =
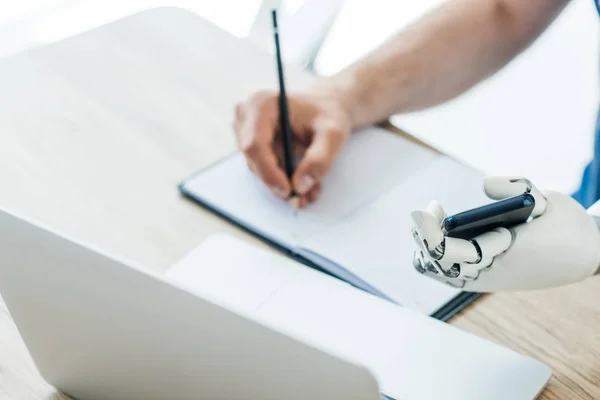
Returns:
<point x="371" y="163"/>
<point x="376" y="243"/>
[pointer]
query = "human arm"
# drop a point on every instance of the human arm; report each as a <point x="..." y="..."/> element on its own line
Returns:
<point x="440" y="56"/>
<point x="437" y="58"/>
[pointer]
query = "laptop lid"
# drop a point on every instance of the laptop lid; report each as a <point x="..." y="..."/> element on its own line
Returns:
<point x="100" y="329"/>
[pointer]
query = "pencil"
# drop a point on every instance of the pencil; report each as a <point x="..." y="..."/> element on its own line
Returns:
<point x="286" y="130"/>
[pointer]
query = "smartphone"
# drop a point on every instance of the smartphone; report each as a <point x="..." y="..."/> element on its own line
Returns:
<point x="503" y="213"/>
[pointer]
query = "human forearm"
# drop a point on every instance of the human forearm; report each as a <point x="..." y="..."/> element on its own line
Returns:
<point x="439" y="57"/>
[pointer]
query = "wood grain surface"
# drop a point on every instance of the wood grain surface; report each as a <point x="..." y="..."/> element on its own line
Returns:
<point x="97" y="131"/>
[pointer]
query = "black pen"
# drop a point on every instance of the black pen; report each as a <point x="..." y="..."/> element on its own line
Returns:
<point x="286" y="130"/>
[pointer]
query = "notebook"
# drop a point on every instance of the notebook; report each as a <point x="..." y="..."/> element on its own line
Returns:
<point x="360" y="229"/>
<point x="411" y="355"/>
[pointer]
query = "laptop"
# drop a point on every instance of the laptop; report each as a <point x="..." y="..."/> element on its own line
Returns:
<point x="101" y="329"/>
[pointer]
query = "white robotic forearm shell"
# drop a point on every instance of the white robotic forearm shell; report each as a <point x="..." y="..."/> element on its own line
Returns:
<point x="559" y="248"/>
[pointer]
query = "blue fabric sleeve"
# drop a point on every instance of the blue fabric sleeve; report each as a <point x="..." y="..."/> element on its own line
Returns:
<point x="589" y="191"/>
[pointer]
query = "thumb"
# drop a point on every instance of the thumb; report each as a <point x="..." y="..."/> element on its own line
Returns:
<point x="502" y="187"/>
<point x="318" y="159"/>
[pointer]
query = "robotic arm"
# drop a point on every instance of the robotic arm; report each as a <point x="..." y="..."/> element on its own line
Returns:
<point x="559" y="245"/>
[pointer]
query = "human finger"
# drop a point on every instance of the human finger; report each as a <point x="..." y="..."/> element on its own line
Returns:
<point x="318" y="158"/>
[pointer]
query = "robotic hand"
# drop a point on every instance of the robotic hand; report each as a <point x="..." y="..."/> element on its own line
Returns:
<point x="558" y="245"/>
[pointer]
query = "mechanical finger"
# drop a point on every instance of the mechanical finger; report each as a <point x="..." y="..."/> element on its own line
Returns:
<point x="502" y="187"/>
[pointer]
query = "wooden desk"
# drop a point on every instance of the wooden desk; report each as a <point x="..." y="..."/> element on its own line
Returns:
<point x="97" y="131"/>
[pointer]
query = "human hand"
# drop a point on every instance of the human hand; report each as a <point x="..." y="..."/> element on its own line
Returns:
<point x="320" y="127"/>
<point x="558" y="246"/>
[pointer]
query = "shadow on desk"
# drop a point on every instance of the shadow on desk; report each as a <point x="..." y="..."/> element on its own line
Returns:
<point x="59" y="396"/>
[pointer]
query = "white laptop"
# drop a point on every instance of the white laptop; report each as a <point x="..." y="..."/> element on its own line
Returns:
<point x="101" y="329"/>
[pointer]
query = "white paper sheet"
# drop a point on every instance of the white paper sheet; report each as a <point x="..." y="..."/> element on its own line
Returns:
<point x="373" y="161"/>
<point x="233" y="273"/>
<point x="406" y="351"/>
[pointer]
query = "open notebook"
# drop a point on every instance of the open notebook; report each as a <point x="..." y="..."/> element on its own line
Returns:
<point x="359" y="230"/>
